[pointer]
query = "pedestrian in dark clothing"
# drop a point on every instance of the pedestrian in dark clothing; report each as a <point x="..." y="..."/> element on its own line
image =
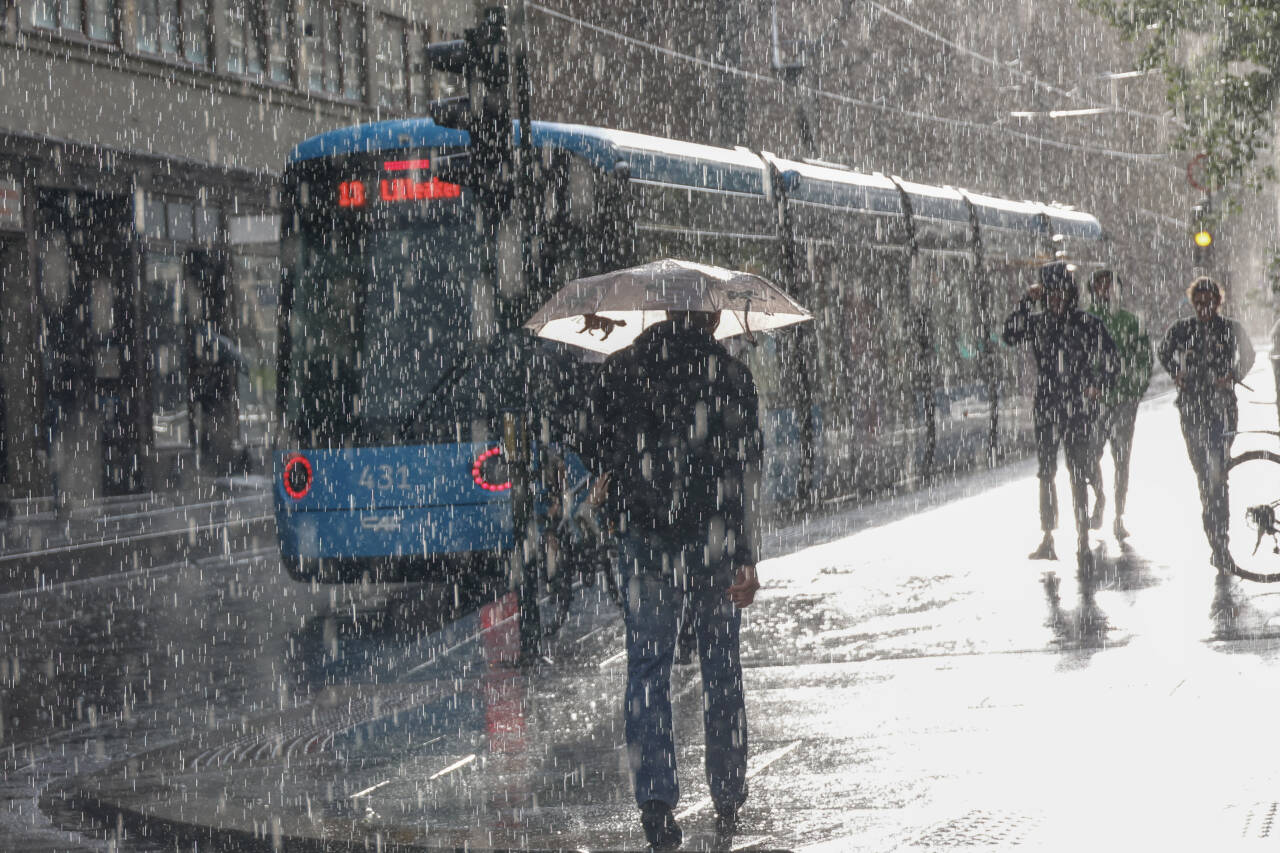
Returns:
<point x="1120" y="402"/>
<point x="1206" y="355"/>
<point x="1076" y="363"/>
<point x="679" y="456"/>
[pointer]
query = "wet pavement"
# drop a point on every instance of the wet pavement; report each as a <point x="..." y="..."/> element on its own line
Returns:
<point x="914" y="682"/>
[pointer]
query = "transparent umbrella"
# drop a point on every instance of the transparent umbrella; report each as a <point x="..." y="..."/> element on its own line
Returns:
<point x="606" y="313"/>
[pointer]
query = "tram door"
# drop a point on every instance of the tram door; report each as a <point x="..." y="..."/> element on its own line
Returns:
<point x="83" y="245"/>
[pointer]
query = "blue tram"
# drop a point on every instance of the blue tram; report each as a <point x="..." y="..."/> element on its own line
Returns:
<point x="406" y="280"/>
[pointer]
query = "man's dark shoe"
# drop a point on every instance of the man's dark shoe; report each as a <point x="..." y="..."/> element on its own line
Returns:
<point x="660" y="826"/>
<point x="726" y="820"/>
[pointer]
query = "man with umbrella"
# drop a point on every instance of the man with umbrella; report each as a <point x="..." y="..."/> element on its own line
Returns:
<point x="678" y="451"/>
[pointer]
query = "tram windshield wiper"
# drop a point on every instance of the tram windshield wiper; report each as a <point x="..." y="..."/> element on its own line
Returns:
<point x="456" y="370"/>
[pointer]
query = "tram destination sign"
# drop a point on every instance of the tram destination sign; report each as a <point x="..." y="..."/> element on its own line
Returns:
<point x="10" y="205"/>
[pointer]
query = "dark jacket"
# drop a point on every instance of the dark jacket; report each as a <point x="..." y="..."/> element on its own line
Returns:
<point x="678" y="430"/>
<point x="1200" y="352"/>
<point x="1072" y="352"/>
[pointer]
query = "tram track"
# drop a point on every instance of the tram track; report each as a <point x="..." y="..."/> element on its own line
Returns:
<point x="48" y="567"/>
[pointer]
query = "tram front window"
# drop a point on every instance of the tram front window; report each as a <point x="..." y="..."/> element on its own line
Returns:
<point x="382" y="312"/>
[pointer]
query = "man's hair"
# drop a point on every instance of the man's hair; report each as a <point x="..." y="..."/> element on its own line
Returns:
<point x="1103" y="275"/>
<point x="1057" y="276"/>
<point x="1204" y="284"/>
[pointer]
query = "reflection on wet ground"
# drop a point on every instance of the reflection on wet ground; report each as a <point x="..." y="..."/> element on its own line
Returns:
<point x="1240" y="611"/>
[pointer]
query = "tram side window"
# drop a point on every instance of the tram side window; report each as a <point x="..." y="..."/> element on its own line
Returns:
<point x="949" y="300"/>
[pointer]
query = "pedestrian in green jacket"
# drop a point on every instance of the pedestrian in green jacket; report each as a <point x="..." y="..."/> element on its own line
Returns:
<point x="1122" y="398"/>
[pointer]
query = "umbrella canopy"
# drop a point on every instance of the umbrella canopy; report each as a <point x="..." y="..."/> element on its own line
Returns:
<point x="606" y="313"/>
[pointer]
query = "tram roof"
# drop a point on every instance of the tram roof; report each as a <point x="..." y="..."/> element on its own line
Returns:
<point x="668" y="161"/>
<point x="836" y="186"/>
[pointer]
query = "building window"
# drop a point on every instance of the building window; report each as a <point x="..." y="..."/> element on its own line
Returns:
<point x="390" y="68"/>
<point x="279" y="26"/>
<point x="244" y="37"/>
<point x="94" y="18"/>
<point x="351" y="41"/>
<point x="334" y="39"/>
<point x="419" y="85"/>
<point x="101" y="18"/>
<point x="177" y="29"/>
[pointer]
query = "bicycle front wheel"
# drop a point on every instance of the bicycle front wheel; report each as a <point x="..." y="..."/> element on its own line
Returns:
<point x="1253" y="478"/>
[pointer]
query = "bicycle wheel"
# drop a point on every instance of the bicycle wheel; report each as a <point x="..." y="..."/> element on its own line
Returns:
<point x="1253" y="478"/>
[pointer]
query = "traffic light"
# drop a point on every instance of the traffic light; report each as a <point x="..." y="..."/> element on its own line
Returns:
<point x="1202" y="234"/>
<point x="484" y="57"/>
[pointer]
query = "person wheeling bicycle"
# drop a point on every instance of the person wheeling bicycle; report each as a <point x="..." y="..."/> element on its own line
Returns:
<point x="1076" y="363"/>
<point x="1206" y="355"/>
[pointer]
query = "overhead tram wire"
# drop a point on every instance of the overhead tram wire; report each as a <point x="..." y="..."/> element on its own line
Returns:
<point x="734" y="71"/>
<point x="1001" y="66"/>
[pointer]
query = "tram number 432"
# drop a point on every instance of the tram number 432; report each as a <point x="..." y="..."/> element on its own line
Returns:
<point x="381" y="477"/>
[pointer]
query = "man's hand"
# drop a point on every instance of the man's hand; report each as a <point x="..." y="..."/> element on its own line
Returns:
<point x="599" y="490"/>
<point x="1092" y="393"/>
<point x="745" y="584"/>
<point x="1226" y="381"/>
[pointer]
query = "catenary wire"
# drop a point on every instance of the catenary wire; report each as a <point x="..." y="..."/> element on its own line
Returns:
<point x="821" y="93"/>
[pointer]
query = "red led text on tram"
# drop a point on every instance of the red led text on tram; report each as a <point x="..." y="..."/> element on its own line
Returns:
<point x="351" y="194"/>
<point x="408" y="189"/>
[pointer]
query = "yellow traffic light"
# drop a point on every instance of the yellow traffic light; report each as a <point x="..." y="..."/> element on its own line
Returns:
<point x="1203" y="239"/>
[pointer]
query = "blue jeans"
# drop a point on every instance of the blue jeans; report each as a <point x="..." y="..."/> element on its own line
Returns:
<point x="657" y="577"/>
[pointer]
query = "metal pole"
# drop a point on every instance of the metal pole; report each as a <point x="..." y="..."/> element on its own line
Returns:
<point x="523" y="568"/>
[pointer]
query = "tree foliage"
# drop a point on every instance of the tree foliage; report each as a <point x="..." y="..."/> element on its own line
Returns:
<point x="1221" y="60"/>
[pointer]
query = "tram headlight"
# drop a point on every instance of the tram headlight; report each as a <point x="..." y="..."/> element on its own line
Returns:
<point x="297" y="476"/>
<point x="490" y="471"/>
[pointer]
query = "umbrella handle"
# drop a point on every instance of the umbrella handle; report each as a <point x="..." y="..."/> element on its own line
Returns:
<point x="746" y="323"/>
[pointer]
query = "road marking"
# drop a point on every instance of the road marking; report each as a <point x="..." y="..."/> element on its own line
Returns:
<point x="765" y="761"/>
<point x="370" y="790"/>
<point x="454" y="766"/>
